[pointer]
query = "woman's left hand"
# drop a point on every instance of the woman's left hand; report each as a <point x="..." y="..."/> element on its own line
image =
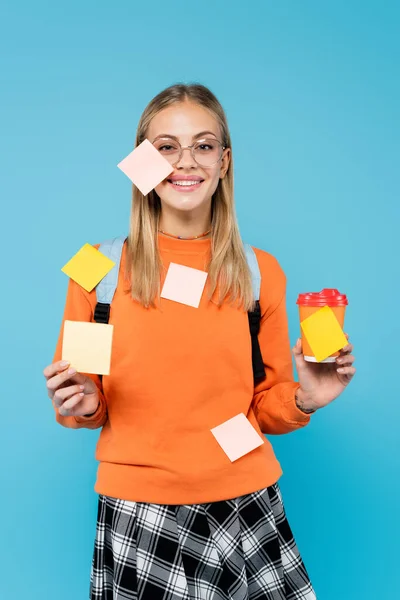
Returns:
<point x="321" y="383"/>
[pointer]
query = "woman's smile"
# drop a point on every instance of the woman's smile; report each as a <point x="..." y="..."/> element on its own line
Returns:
<point x="185" y="183"/>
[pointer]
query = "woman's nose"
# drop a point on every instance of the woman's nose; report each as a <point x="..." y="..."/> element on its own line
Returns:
<point x="186" y="160"/>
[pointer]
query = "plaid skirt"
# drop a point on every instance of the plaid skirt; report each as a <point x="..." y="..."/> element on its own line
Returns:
<point x="240" y="549"/>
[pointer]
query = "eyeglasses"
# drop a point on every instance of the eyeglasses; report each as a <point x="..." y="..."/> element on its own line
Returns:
<point x="205" y="152"/>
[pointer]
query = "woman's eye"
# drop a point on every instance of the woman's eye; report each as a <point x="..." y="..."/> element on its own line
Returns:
<point x="205" y="147"/>
<point x="167" y="148"/>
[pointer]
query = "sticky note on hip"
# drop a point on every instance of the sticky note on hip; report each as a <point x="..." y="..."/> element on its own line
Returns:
<point x="237" y="437"/>
<point x="87" y="346"/>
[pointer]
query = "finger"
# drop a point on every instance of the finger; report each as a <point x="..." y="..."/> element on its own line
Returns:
<point x="55" y="368"/>
<point x="63" y="394"/>
<point x="346" y="359"/>
<point x="350" y="371"/>
<point x="55" y="382"/>
<point x="347" y="349"/>
<point x="70" y="404"/>
<point x="297" y="348"/>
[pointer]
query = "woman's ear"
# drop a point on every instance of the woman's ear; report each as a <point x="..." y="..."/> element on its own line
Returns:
<point x="225" y="160"/>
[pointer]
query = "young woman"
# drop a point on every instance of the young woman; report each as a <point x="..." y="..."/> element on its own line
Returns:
<point x="177" y="519"/>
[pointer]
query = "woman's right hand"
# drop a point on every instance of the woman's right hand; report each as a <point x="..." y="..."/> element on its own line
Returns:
<point x="72" y="393"/>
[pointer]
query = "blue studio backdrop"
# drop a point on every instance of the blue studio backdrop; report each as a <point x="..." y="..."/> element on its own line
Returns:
<point x="312" y="94"/>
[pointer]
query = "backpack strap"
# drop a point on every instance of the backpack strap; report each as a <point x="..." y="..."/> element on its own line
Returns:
<point x="255" y="315"/>
<point x="105" y="290"/>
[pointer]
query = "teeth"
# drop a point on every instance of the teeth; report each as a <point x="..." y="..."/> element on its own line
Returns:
<point x="185" y="183"/>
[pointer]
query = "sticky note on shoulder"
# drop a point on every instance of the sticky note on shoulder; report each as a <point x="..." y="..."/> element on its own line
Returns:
<point x="87" y="346"/>
<point x="88" y="266"/>
<point x="323" y="333"/>
<point x="237" y="437"/>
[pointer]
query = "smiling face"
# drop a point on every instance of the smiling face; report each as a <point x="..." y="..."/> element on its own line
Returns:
<point x="191" y="186"/>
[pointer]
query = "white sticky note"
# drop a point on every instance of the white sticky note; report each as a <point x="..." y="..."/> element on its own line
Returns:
<point x="237" y="437"/>
<point x="87" y="346"/>
<point x="184" y="284"/>
<point x="146" y="167"/>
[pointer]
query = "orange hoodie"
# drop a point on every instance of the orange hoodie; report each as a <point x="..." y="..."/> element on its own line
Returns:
<point x="177" y="372"/>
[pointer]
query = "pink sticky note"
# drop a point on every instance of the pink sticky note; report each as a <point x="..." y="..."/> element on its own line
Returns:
<point x="145" y="167"/>
<point x="184" y="284"/>
<point x="237" y="437"/>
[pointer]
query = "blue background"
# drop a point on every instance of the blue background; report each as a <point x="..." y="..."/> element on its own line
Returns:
<point x="312" y="94"/>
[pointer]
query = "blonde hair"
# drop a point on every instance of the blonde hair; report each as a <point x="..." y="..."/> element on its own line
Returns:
<point x="228" y="266"/>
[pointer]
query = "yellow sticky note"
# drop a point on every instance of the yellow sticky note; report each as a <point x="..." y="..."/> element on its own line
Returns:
<point x="88" y="266"/>
<point x="323" y="333"/>
<point x="87" y="346"/>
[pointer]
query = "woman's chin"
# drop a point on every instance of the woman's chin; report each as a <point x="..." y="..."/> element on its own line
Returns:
<point x="184" y="202"/>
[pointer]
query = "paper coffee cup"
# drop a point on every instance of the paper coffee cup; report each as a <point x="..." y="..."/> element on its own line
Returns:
<point x="309" y="303"/>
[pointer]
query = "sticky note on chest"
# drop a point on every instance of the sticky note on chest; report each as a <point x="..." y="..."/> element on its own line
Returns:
<point x="184" y="284"/>
<point x="145" y="167"/>
<point x="323" y="333"/>
<point x="237" y="437"/>
<point x="88" y="266"/>
<point x="87" y="346"/>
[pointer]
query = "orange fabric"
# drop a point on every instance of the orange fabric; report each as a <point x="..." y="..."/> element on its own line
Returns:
<point x="177" y="372"/>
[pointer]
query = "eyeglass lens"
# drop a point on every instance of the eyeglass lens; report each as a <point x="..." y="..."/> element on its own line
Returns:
<point x="206" y="152"/>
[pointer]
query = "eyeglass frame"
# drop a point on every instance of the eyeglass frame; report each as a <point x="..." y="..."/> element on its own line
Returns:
<point x="182" y="148"/>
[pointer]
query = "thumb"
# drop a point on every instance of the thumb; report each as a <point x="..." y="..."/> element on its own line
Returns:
<point x="297" y="348"/>
<point x="90" y="385"/>
<point x="79" y="378"/>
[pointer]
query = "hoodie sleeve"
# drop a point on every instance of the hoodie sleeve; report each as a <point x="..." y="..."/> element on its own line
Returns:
<point x="79" y="307"/>
<point x="274" y="398"/>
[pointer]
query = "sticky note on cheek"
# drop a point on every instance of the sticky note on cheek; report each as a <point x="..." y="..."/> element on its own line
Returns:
<point x="145" y="167"/>
<point x="323" y="333"/>
<point x="88" y="266"/>
<point x="87" y="346"/>
<point x="237" y="437"/>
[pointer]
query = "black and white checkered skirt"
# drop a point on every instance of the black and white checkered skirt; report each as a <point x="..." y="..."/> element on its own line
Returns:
<point x="240" y="549"/>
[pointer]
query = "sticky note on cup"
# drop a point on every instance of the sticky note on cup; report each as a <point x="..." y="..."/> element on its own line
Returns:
<point x="87" y="346"/>
<point x="237" y="437"/>
<point x="184" y="284"/>
<point x="323" y="333"/>
<point x="145" y="167"/>
<point x="88" y="266"/>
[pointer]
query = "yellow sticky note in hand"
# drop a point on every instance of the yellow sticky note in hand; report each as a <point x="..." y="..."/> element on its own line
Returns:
<point x="323" y="333"/>
<point x="88" y="266"/>
<point x="87" y="346"/>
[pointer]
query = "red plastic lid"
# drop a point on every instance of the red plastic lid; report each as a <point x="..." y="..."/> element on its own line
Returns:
<point x="327" y="297"/>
